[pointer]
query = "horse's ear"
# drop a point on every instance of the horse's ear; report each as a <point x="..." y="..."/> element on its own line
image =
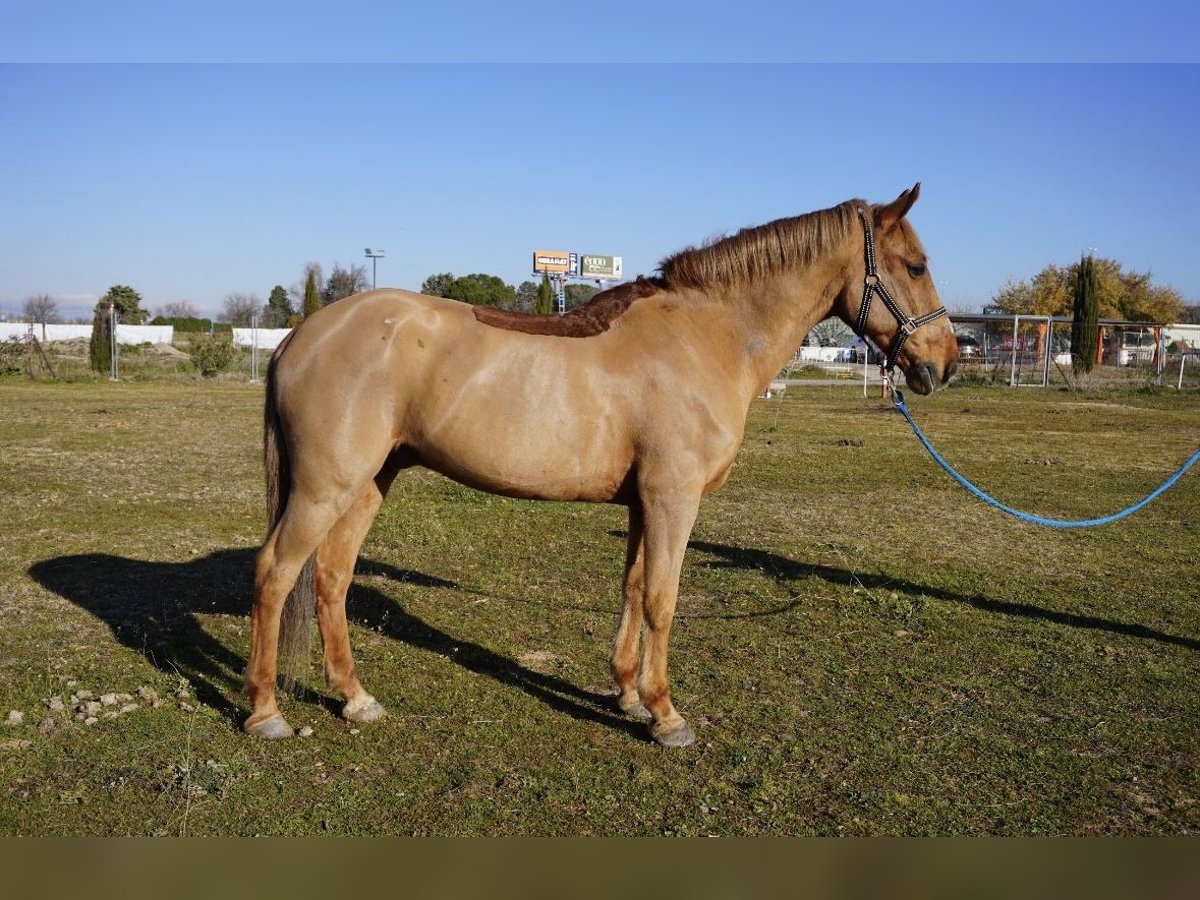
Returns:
<point x="887" y="216"/>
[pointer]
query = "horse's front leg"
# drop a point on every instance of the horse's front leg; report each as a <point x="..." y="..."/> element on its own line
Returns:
<point x="627" y="644"/>
<point x="669" y="516"/>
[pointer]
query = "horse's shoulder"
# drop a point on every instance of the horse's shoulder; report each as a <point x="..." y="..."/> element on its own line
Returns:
<point x="594" y="317"/>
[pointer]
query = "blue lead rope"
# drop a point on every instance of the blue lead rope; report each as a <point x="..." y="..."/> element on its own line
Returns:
<point x="898" y="400"/>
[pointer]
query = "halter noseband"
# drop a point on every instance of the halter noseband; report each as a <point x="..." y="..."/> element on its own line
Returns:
<point x="873" y="285"/>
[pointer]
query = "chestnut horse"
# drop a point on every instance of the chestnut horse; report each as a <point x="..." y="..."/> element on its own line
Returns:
<point x="639" y="398"/>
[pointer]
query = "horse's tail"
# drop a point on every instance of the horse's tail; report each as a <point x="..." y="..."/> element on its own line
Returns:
<point x="295" y="626"/>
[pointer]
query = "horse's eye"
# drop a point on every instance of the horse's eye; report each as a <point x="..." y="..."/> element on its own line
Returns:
<point x="917" y="271"/>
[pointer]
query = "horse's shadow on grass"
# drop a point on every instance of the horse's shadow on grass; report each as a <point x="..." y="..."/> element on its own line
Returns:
<point x="783" y="569"/>
<point x="153" y="608"/>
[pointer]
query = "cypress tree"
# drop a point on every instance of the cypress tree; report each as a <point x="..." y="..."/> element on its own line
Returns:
<point x="100" y="350"/>
<point x="1085" y="328"/>
<point x="312" y="296"/>
<point x="543" y="305"/>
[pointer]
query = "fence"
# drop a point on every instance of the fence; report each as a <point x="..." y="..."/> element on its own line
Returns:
<point x="1024" y="351"/>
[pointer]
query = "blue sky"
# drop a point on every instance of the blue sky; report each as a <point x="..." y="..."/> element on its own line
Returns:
<point x="191" y="182"/>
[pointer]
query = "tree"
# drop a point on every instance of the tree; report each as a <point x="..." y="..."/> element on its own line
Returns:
<point x="100" y="348"/>
<point x="1119" y="294"/>
<point x="477" y="288"/>
<point x="42" y="309"/>
<point x="484" y="290"/>
<point x="544" y="305"/>
<point x="526" y="296"/>
<point x="312" y="295"/>
<point x="438" y="285"/>
<point x="831" y="332"/>
<point x="344" y="283"/>
<point x="279" y="308"/>
<point x="128" y="303"/>
<point x="240" y="309"/>
<point x="1085" y="329"/>
<point x="179" y="309"/>
<point x="298" y="292"/>
<point x="579" y="294"/>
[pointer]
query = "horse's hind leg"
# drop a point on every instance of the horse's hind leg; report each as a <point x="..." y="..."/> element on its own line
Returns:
<point x="335" y="570"/>
<point x="627" y="644"/>
<point x="279" y="562"/>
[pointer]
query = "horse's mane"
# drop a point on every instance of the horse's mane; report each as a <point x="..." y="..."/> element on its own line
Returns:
<point x="750" y="254"/>
<point x="594" y="317"/>
<point x="762" y="250"/>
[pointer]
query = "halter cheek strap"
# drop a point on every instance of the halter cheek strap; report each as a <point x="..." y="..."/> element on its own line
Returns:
<point x="872" y="286"/>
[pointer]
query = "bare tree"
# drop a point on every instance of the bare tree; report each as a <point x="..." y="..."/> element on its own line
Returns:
<point x="239" y="309"/>
<point x="830" y="333"/>
<point x="42" y="309"/>
<point x="179" y="309"/>
<point x="344" y="283"/>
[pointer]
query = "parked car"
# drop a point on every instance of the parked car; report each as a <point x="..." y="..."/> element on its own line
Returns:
<point x="967" y="345"/>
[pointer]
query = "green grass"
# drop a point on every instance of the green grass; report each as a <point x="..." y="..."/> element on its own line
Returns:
<point x="861" y="647"/>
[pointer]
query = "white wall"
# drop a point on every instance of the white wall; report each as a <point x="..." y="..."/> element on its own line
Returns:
<point x="268" y="338"/>
<point x="126" y="334"/>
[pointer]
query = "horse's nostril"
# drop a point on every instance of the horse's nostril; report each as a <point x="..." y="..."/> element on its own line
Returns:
<point x="952" y="370"/>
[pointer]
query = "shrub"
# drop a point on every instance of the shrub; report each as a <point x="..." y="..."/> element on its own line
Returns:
<point x="12" y="356"/>
<point x="210" y="354"/>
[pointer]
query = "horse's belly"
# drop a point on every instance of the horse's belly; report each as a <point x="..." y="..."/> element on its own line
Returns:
<point x="521" y="449"/>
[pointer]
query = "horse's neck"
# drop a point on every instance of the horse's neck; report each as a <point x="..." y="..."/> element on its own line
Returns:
<point x="771" y="319"/>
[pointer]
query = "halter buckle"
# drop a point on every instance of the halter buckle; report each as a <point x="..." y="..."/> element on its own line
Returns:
<point x="908" y="326"/>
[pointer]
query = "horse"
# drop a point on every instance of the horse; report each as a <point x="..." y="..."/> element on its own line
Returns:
<point x="639" y="398"/>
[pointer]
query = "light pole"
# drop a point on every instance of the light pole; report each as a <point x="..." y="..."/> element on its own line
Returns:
<point x="374" y="256"/>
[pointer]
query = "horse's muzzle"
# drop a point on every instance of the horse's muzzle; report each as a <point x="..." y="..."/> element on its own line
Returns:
<point x="927" y="377"/>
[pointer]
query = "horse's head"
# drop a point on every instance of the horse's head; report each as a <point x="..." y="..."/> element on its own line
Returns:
<point x="907" y="320"/>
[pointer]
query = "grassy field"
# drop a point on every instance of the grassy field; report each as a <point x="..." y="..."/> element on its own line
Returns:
<point x="861" y="648"/>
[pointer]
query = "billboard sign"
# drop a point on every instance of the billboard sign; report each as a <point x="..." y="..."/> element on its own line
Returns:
<point x="552" y="262"/>
<point x="600" y="268"/>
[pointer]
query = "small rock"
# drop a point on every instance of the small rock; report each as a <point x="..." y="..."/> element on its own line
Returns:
<point x="47" y="725"/>
<point x="147" y="693"/>
<point x="129" y="707"/>
<point x="84" y="695"/>
<point x="90" y="720"/>
<point x="15" y="717"/>
<point x="124" y="698"/>
<point x="182" y="695"/>
<point x="91" y="708"/>
<point x="187" y="707"/>
<point x="55" y="704"/>
<point x="108" y="699"/>
<point x="354" y="731"/>
<point x="158" y="702"/>
<point x="306" y="731"/>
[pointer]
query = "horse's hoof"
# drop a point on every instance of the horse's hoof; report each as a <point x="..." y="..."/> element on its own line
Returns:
<point x="271" y="729"/>
<point x="636" y="711"/>
<point x="679" y="735"/>
<point x="368" y="709"/>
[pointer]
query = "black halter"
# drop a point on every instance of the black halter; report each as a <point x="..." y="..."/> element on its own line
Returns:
<point x="874" y="286"/>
